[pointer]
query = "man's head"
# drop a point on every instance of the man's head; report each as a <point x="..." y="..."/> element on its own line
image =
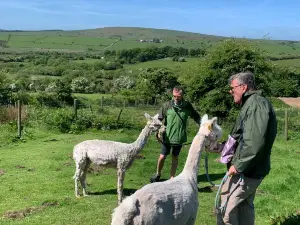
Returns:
<point x="177" y="95"/>
<point x="241" y="83"/>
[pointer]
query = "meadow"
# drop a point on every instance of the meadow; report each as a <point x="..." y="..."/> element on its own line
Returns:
<point x="36" y="170"/>
<point x="37" y="186"/>
<point x="125" y="38"/>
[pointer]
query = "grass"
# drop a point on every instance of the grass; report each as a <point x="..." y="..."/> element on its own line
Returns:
<point x="167" y="62"/>
<point x="36" y="180"/>
<point x="293" y="63"/>
<point x="107" y="38"/>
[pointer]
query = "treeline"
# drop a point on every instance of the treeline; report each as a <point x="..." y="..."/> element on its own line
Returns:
<point x="276" y="58"/>
<point x="136" y="55"/>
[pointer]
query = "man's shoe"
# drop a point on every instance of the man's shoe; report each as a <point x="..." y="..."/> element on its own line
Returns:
<point x="154" y="178"/>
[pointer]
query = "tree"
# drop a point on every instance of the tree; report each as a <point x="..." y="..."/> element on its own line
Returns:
<point x="155" y="82"/>
<point x="207" y="82"/>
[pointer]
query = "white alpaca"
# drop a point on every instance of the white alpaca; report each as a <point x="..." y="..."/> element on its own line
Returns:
<point x="174" y="201"/>
<point x="110" y="153"/>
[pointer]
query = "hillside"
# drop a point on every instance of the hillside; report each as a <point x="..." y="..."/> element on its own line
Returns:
<point x="115" y="38"/>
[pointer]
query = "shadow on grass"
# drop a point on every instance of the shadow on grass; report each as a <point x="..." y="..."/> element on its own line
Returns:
<point x="213" y="177"/>
<point x="126" y="192"/>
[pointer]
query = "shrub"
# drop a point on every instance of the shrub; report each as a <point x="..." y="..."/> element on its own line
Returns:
<point x="207" y="82"/>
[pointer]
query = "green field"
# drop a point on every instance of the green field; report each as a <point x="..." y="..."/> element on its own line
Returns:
<point x="116" y="38"/>
<point x="37" y="185"/>
<point x="293" y="63"/>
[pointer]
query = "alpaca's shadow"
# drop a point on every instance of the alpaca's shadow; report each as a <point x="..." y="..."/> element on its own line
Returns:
<point x="213" y="177"/>
<point x="126" y="192"/>
<point x="208" y="189"/>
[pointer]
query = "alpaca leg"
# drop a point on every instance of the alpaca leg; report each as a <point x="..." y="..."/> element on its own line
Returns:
<point x="83" y="177"/>
<point x="76" y="178"/>
<point x="121" y="175"/>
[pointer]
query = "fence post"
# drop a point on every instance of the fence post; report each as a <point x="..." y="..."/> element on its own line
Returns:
<point x="19" y="119"/>
<point x="75" y="108"/>
<point x="124" y="104"/>
<point x="102" y="99"/>
<point x="286" y="124"/>
<point x="119" y="116"/>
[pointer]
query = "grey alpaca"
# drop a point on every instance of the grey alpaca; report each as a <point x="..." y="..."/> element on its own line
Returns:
<point x="174" y="201"/>
<point x="110" y="154"/>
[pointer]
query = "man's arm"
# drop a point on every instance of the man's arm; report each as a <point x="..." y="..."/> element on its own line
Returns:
<point x="161" y="113"/>
<point x="253" y="140"/>
<point x="194" y="114"/>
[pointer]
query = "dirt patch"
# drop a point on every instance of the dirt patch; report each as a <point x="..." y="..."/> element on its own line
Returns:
<point x="295" y="102"/>
<point x="2" y="172"/>
<point x="26" y="212"/>
<point x="20" y="167"/>
<point x="139" y="156"/>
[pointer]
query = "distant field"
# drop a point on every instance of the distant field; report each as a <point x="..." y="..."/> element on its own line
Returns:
<point x="289" y="63"/>
<point x="168" y="63"/>
<point x="116" y="38"/>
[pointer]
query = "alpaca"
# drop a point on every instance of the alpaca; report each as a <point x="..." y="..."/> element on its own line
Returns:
<point x="174" y="201"/>
<point x="112" y="154"/>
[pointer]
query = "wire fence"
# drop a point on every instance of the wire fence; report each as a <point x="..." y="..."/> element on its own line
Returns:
<point x="288" y="118"/>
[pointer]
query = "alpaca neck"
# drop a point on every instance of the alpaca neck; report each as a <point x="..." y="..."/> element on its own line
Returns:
<point x="142" y="139"/>
<point x="191" y="167"/>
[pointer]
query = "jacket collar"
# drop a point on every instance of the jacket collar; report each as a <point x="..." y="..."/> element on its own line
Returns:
<point x="247" y="94"/>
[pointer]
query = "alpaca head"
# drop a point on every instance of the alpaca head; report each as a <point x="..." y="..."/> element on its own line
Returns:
<point x="211" y="130"/>
<point x="153" y="122"/>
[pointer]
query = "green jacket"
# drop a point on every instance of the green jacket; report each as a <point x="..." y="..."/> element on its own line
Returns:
<point x="175" y="119"/>
<point x="255" y="131"/>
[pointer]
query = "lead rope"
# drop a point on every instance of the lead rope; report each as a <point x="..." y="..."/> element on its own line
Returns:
<point x="206" y="171"/>
<point x="222" y="208"/>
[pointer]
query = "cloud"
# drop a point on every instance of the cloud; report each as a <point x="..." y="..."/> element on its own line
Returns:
<point x="52" y="7"/>
<point x="216" y="12"/>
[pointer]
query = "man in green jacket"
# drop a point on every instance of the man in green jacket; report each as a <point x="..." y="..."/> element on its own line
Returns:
<point x="175" y="114"/>
<point x="255" y="132"/>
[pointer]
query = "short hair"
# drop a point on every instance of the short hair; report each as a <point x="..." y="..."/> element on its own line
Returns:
<point x="247" y="78"/>
<point x="178" y="89"/>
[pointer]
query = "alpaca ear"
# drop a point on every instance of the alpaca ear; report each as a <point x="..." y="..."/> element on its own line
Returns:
<point x="155" y="117"/>
<point x="148" y="117"/>
<point x="204" y="119"/>
<point x="215" y="119"/>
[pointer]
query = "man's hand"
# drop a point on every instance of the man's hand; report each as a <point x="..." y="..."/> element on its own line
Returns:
<point x="232" y="171"/>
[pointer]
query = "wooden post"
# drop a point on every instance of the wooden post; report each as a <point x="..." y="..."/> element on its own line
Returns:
<point x="135" y="103"/>
<point x="119" y="116"/>
<point x="75" y="108"/>
<point x="286" y="124"/>
<point x="102" y="99"/>
<point x="124" y="104"/>
<point x="19" y="119"/>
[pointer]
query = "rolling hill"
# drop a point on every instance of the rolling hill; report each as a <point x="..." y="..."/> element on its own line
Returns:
<point x="116" y="38"/>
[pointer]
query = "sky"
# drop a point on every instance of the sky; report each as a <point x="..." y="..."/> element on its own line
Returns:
<point x="270" y="19"/>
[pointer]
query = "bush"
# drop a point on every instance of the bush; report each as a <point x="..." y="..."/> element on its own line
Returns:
<point x="293" y="219"/>
<point x="49" y="100"/>
<point x="207" y="82"/>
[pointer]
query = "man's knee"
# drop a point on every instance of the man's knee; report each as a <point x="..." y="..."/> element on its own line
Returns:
<point x="162" y="157"/>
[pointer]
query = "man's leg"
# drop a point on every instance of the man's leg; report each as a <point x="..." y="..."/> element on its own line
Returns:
<point x="174" y="165"/>
<point x="175" y="153"/>
<point x="230" y="215"/>
<point x="165" y="150"/>
<point x="160" y="164"/>
<point x="246" y="210"/>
